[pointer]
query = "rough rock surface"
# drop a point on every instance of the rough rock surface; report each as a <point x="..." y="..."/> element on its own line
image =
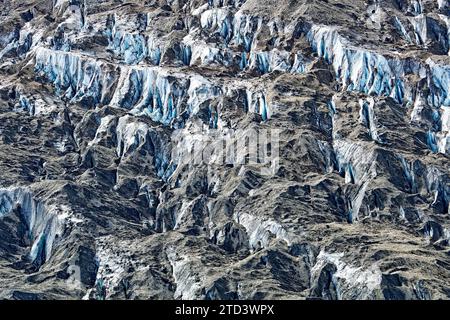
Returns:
<point x="94" y="204"/>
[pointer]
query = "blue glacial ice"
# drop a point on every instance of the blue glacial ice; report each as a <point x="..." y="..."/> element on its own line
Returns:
<point x="401" y="29"/>
<point x="220" y="21"/>
<point x="161" y="95"/>
<point x="43" y="223"/>
<point x="372" y="73"/>
<point x="133" y="133"/>
<point x="437" y="183"/>
<point x="148" y="91"/>
<point x="232" y="29"/>
<point x="417" y="6"/>
<point x="367" y="117"/>
<point x="225" y="3"/>
<point x="75" y="77"/>
<point x="274" y="60"/>
<point x="354" y="161"/>
<point x="369" y="72"/>
<point x="241" y="30"/>
<point x="256" y="102"/>
<point x="133" y="47"/>
<point x="439" y="84"/>
<point x="358" y="69"/>
<point x="19" y="46"/>
<point x="408" y="170"/>
<point x="26" y="104"/>
<point x="439" y="97"/>
<point x="246" y="29"/>
<point x="426" y="30"/>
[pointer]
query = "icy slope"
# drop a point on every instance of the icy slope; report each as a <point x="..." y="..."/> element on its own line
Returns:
<point x="114" y="114"/>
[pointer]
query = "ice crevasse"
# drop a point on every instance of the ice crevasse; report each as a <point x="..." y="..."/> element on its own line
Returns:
<point x="241" y="30"/>
<point x="134" y="47"/>
<point x="148" y="90"/>
<point x="358" y="69"/>
<point x="372" y="73"/>
<point x="132" y="134"/>
<point x="233" y="30"/>
<point x="43" y="223"/>
<point x="165" y="96"/>
<point x="362" y="70"/>
<point x="76" y="77"/>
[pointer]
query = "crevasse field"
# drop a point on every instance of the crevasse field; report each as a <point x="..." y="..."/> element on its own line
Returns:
<point x="224" y="149"/>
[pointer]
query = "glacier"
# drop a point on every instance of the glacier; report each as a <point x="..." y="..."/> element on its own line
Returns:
<point x="44" y="224"/>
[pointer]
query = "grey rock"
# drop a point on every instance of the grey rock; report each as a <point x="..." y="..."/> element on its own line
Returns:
<point x="103" y="102"/>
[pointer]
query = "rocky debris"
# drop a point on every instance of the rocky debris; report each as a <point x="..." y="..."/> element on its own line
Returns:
<point x="113" y="115"/>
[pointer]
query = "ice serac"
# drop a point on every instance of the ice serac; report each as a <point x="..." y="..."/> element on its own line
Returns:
<point x="345" y="278"/>
<point x="165" y="98"/>
<point x="75" y="77"/>
<point x="439" y="83"/>
<point x="359" y="69"/>
<point x="241" y="30"/>
<point x="133" y="47"/>
<point x="368" y="118"/>
<point x="43" y="224"/>
<point x="224" y="149"/>
<point x="137" y="136"/>
<point x="372" y="73"/>
<point x="260" y="231"/>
